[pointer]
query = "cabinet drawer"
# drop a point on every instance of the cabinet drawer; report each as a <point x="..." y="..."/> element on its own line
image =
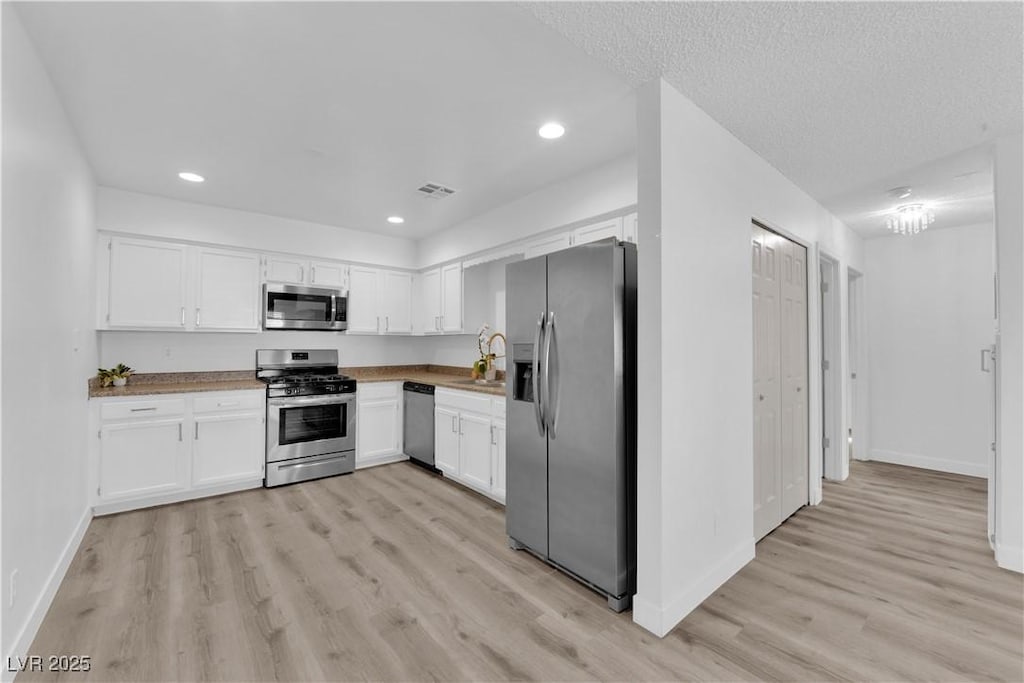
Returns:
<point x="372" y="391"/>
<point x="220" y="402"/>
<point x="141" y="409"/>
<point x="463" y="401"/>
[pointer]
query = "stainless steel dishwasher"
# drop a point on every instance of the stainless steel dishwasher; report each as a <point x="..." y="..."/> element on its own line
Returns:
<point x="418" y="423"/>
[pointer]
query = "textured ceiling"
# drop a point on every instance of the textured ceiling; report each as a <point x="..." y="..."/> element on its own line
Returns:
<point x="330" y="112"/>
<point x="839" y="96"/>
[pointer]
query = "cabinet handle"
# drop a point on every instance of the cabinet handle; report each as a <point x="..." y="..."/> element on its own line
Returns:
<point x="455" y="429"/>
<point x="492" y="436"/>
<point x="179" y="432"/>
<point x="437" y="323"/>
<point x="143" y="410"/>
<point x="183" y="316"/>
<point x="441" y="318"/>
<point x="312" y="274"/>
<point x="378" y="324"/>
<point x="197" y="317"/>
<point x="197" y="431"/>
<point x="226" y="404"/>
<point x="460" y="427"/>
<point x="387" y="323"/>
<point x="302" y="273"/>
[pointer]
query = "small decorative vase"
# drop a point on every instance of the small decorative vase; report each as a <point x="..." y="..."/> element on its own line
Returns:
<point x="120" y="381"/>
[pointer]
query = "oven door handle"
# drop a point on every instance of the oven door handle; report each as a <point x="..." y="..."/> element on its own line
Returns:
<point x="298" y="402"/>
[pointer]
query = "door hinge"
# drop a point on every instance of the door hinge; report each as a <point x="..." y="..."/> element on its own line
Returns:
<point x="108" y="317"/>
<point x="824" y="286"/>
<point x="825" y="365"/>
<point x="110" y="244"/>
<point x="97" y="490"/>
<point x="993" y="446"/>
<point x="825" y="442"/>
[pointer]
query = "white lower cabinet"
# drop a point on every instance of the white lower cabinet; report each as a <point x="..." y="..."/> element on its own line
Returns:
<point x="469" y="440"/>
<point x="162" y="450"/>
<point x="227" y="447"/>
<point x="143" y="458"/>
<point x="378" y="423"/>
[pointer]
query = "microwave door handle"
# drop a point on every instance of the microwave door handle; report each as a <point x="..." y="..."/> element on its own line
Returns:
<point x="538" y="409"/>
<point x="334" y="310"/>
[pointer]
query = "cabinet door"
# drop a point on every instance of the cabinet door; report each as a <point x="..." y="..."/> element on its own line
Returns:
<point x="446" y="440"/>
<point x="378" y="429"/>
<point x="228" y="292"/>
<point x="431" y="310"/>
<point x="288" y="270"/>
<point x="227" y="448"/>
<point x="362" y="300"/>
<point x="451" y="298"/>
<point x="630" y="228"/>
<point x="475" y="450"/>
<point x="142" y="458"/>
<point x="498" y="460"/>
<point x="546" y="245"/>
<point x="147" y="284"/>
<point x="396" y="288"/>
<point x="598" y="231"/>
<point x="324" y="274"/>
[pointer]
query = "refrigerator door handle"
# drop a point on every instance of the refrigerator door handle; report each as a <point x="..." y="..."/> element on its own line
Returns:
<point x="551" y="377"/>
<point x="538" y="409"/>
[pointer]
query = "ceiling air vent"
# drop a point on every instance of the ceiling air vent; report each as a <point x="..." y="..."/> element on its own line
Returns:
<point x="435" y="191"/>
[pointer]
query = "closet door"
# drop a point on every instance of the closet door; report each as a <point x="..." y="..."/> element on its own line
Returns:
<point x="767" y="463"/>
<point x="793" y="343"/>
<point x="779" y="269"/>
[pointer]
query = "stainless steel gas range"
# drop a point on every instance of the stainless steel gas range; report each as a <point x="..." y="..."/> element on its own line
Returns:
<point x="311" y="415"/>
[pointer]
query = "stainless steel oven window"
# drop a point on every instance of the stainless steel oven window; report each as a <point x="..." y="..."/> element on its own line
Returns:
<point x="312" y="423"/>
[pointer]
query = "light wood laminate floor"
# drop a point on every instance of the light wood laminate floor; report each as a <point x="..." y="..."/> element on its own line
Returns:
<point x="393" y="574"/>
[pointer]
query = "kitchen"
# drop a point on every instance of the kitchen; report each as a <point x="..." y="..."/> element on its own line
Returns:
<point x="416" y="294"/>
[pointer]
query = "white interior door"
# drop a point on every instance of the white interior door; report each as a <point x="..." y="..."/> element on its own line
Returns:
<point x="779" y="270"/>
<point x="793" y="404"/>
<point x="765" y="265"/>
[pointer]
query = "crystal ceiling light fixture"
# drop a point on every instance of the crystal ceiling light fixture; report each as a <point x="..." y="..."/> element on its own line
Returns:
<point x="910" y="219"/>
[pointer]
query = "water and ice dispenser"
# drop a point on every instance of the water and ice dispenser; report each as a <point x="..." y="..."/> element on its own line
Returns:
<point x="522" y="372"/>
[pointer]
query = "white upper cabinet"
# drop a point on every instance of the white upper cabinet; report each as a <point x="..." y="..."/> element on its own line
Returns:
<point x="328" y="274"/>
<point x="228" y="290"/>
<point x="287" y="270"/>
<point x="547" y="245"/>
<point x="297" y="271"/>
<point x="362" y="300"/>
<point x="430" y="310"/>
<point x="442" y="299"/>
<point x="598" y="231"/>
<point x="630" y="228"/>
<point x="147" y="284"/>
<point x="379" y="301"/>
<point x="395" y="302"/>
<point x="451" y="298"/>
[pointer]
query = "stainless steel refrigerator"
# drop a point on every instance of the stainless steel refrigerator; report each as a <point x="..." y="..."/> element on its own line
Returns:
<point x="571" y="390"/>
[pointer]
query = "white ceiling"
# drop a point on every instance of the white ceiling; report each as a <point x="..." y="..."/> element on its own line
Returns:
<point x="337" y="112"/>
<point x="330" y="112"/>
<point x="846" y="99"/>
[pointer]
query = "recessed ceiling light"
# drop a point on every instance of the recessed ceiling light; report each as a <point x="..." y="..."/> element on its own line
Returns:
<point x="395" y="219"/>
<point x="191" y="177"/>
<point x="551" y="130"/>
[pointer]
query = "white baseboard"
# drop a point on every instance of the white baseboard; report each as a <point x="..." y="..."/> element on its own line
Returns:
<point x="1010" y="557"/>
<point x="23" y="641"/>
<point x="924" y="462"/>
<point x="660" y="620"/>
<point x="176" y="497"/>
<point x="380" y="460"/>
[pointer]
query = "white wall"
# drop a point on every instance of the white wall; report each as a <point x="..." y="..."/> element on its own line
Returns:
<point x="143" y="214"/>
<point x="699" y="189"/>
<point x="930" y="310"/>
<point x="1009" y="179"/>
<point x="600" y="190"/>
<point x="48" y="337"/>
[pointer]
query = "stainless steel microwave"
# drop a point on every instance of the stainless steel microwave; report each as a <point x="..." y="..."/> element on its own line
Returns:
<point x="291" y="307"/>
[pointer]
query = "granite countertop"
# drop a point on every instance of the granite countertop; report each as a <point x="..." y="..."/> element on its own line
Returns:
<point x="154" y="383"/>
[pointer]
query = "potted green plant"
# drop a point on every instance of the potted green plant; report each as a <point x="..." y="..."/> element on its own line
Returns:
<point x="117" y="375"/>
